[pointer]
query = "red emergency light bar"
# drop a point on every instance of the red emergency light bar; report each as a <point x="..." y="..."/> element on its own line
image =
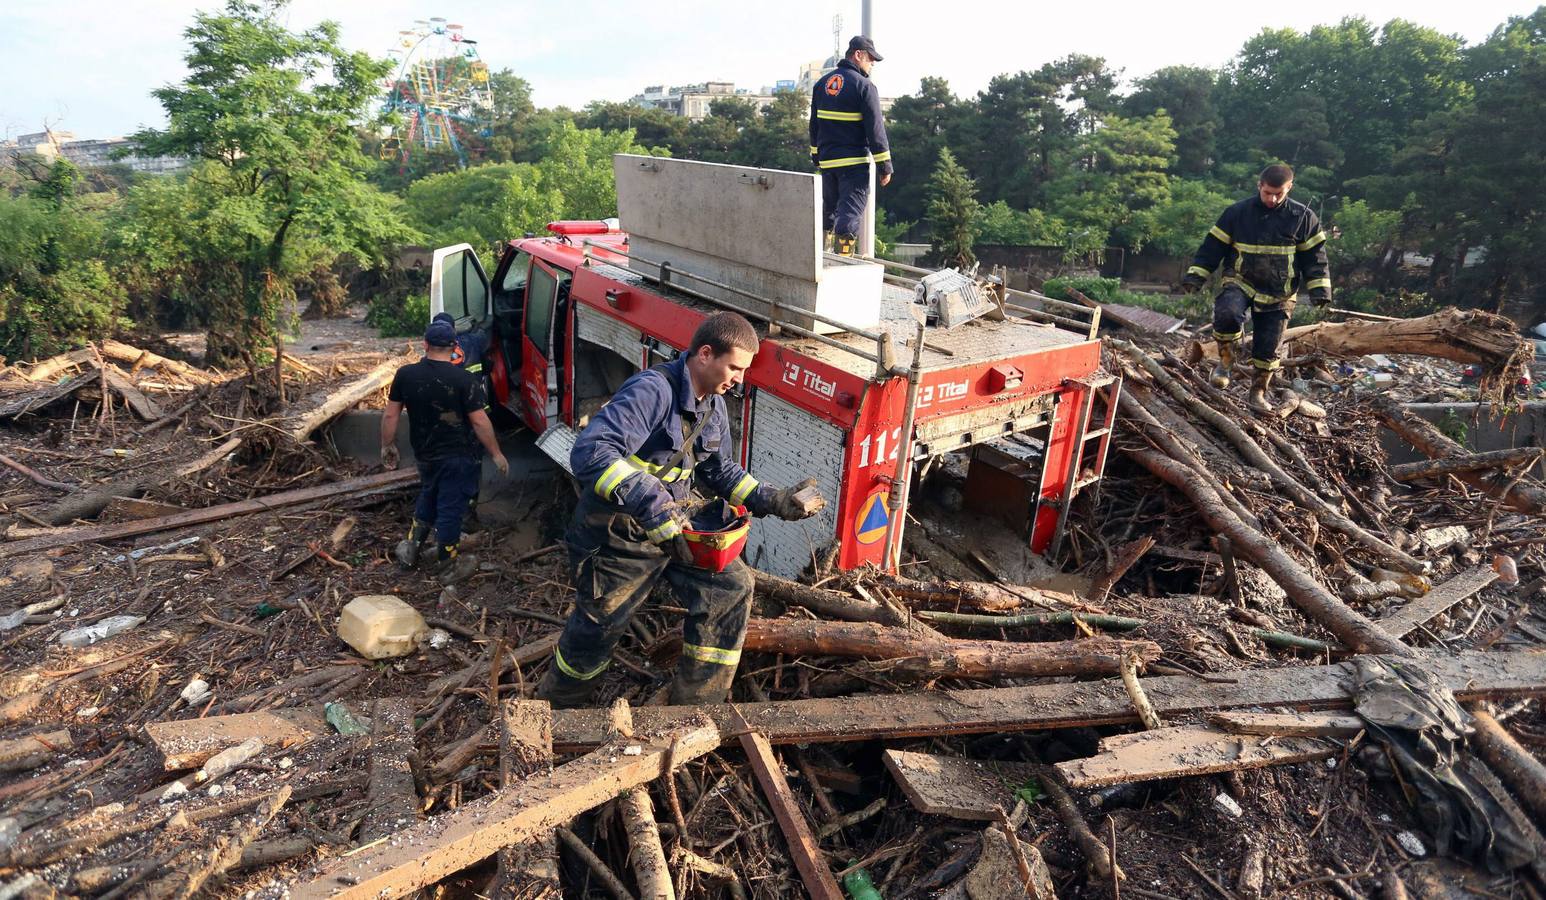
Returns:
<point x="584" y="226"/>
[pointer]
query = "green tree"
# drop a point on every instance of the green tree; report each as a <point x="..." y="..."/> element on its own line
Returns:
<point x="919" y="126"/>
<point x="999" y="223"/>
<point x="953" y="211"/>
<point x="1178" y="225"/>
<point x="1116" y="182"/>
<point x="271" y="114"/>
<point x="1185" y="93"/>
<point x="55" y="291"/>
<point x="1365" y="238"/>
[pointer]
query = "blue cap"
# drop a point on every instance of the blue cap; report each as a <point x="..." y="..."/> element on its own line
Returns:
<point x="444" y="317"/>
<point x="440" y="334"/>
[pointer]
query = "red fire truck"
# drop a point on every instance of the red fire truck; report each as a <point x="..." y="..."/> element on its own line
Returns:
<point x="574" y="313"/>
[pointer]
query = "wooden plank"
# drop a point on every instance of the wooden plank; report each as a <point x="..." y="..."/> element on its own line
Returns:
<point x="1408" y="618"/>
<point x="91" y="533"/>
<point x="142" y="405"/>
<point x="1188" y="750"/>
<point x="807" y="855"/>
<point x="1471" y="675"/>
<point x="1288" y="724"/>
<point x="974" y="789"/>
<point x="528" y="869"/>
<point x="187" y="743"/>
<point x="432" y="850"/>
<point x="131" y="508"/>
<point x="24" y="402"/>
<point x="393" y="800"/>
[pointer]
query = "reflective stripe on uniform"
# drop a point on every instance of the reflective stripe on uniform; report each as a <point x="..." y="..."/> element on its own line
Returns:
<point x="883" y="156"/>
<point x="1198" y="270"/>
<point x="815" y="149"/>
<point x="663" y="532"/>
<point x="666" y="477"/>
<point x="475" y="368"/>
<point x="1267" y="249"/>
<point x="1227" y="337"/>
<point x="572" y="672"/>
<point x="613" y="476"/>
<point x="1221" y="234"/>
<point x="1266" y="365"/>
<point x="1311" y="242"/>
<point x="845" y="161"/>
<point x="836" y="116"/>
<point x="1318" y="283"/>
<point x="711" y="654"/>
<point x="743" y="489"/>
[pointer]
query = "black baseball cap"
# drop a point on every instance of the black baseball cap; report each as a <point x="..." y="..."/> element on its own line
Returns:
<point x="860" y="42"/>
<point x="440" y="334"/>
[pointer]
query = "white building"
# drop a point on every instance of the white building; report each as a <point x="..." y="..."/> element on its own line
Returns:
<point x="91" y="154"/>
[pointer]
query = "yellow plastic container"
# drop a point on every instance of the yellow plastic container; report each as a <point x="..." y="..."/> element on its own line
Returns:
<point x="380" y="626"/>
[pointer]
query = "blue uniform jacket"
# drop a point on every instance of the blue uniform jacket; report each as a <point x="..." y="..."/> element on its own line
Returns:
<point x="846" y="124"/>
<point x="1270" y="254"/>
<point x="620" y="453"/>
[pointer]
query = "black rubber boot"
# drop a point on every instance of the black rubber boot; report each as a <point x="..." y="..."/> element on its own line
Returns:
<point x="563" y="692"/>
<point x="846" y="244"/>
<point x="408" y="549"/>
<point x="1258" y="399"/>
<point x="455" y="567"/>
<point x="1219" y="377"/>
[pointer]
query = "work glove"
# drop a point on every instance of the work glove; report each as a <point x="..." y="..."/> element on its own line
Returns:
<point x="785" y="505"/>
<point x="1191" y="284"/>
<point x="677" y="546"/>
<point x="390" y="458"/>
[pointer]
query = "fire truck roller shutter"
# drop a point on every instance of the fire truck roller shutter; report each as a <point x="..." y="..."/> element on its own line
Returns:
<point x="789" y="445"/>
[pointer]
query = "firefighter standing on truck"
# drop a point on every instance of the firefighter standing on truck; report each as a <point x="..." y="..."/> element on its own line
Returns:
<point x="628" y="530"/>
<point x="1271" y="248"/>
<point x="847" y="133"/>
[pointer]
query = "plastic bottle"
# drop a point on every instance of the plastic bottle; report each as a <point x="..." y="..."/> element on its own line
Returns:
<point x="859" y="885"/>
<point x="85" y="637"/>
<point x="342" y="720"/>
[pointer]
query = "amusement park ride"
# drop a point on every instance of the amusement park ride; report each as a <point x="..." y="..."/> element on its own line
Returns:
<point x="849" y="385"/>
<point x="439" y="93"/>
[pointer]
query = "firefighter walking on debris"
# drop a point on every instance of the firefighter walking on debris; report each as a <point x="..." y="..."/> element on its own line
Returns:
<point x="847" y="133"/>
<point x="636" y="462"/>
<point x="447" y="420"/>
<point x="1271" y="248"/>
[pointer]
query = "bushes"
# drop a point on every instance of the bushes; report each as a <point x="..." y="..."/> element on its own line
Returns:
<point x="399" y="317"/>
<point x="1196" y="307"/>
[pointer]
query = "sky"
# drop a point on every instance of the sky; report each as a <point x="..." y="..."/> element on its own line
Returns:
<point x="91" y="70"/>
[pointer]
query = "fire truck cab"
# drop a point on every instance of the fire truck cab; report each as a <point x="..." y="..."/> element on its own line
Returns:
<point x="840" y="390"/>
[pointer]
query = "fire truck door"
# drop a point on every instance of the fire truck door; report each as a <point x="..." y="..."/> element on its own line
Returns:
<point x="458" y="286"/>
<point x="539" y="370"/>
<point x="505" y="336"/>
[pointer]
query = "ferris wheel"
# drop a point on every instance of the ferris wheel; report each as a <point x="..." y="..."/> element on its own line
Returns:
<point x="439" y="93"/>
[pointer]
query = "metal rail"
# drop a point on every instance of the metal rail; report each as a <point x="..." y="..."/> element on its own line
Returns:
<point x="1090" y="329"/>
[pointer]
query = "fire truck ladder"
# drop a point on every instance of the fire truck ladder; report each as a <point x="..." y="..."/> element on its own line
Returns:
<point x="1079" y="476"/>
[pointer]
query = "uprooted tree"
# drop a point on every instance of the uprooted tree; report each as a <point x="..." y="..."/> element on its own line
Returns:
<point x="279" y="188"/>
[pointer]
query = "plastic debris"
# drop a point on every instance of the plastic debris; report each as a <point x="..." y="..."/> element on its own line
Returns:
<point x="32" y="609"/>
<point x="860" y="886"/>
<point x="85" y="637"/>
<point x="228" y="759"/>
<point x="197" y="691"/>
<point x="1507" y="569"/>
<point x="1228" y="806"/>
<point x="143" y="551"/>
<point x="342" y="720"/>
<point x="1411" y="843"/>
<point x="439" y="638"/>
<point x="173" y="791"/>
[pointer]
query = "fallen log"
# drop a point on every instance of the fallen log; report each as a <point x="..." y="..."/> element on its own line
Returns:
<point x="942" y="657"/>
<point x="1517" y="766"/>
<point x="1512" y="459"/>
<point x="46" y="369"/>
<point x="1470" y="675"/>
<point x="338" y="401"/>
<point x="18" y="404"/>
<point x="429" y="851"/>
<point x="89" y="501"/>
<point x="392" y="800"/>
<point x="90" y="533"/>
<point x="980" y="595"/>
<point x="645" y="854"/>
<point x="33" y="474"/>
<point x="141" y="358"/>
<point x="34" y="750"/>
<point x="1355" y="630"/>
<point x="1525" y="495"/>
<point x="835" y="604"/>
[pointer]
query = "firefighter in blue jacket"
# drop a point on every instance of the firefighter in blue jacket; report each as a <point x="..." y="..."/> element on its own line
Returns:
<point x="1271" y="248"/>
<point x="627" y="532"/>
<point x="847" y="133"/>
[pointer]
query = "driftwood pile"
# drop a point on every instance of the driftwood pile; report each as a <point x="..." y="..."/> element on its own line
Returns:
<point x="1141" y="727"/>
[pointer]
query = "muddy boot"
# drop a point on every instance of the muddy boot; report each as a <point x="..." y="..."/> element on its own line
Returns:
<point x="1258" y="399"/>
<point x="846" y="244"/>
<point x="563" y="692"/>
<point x="699" y="682"/>
<point x="455" y="567"/>
<point x="407" y="550"/>
<point x="1219" y="377"/>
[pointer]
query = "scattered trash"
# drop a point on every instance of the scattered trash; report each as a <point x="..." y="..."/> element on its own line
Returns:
<point x="32" y="609"/>
<point x="197" y="691"/>
<point x="1507" y="569"/>
<point x="381" y="626"/>
<point x="1228" y="806"/>
<point x="173" y="791"/>
<point x="90" y="634"/>
<point x="860" y="886"/>
<point x="144" y="551"/>
<point x="1411" y="843"/>
<point x="342" y="720"/>
<point x="439" y="638"/>
<point x="226" y="760"/>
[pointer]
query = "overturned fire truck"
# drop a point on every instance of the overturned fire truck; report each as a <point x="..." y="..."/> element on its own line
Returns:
<point x="848" y="385"/>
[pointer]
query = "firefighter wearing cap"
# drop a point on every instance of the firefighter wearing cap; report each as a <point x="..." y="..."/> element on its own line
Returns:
<point x="1271" y="248"/>
<point x="847" y="133"/>
<point x="627" y="531"/>
<point x="468" y="353"/>
<point x="447" y="420"/>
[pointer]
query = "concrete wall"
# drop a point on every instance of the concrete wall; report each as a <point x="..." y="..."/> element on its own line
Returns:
<point x="1484" y="431"/>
